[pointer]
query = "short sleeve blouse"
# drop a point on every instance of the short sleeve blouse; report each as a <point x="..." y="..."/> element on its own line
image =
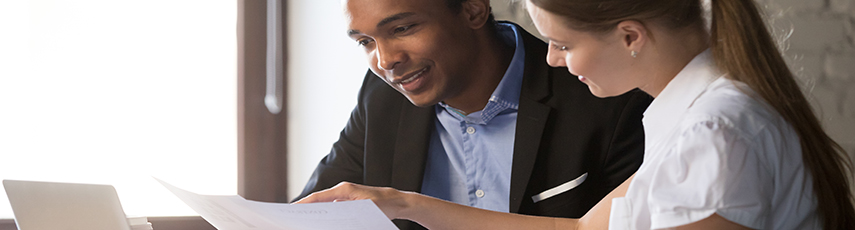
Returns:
<point x="712" y="146"/>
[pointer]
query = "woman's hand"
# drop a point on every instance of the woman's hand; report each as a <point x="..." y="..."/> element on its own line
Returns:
<point x="392" y="202"/>
<point x="434" y="213"/>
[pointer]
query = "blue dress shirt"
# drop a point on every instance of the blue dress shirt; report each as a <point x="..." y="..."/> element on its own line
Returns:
<point x="469" y="158"/>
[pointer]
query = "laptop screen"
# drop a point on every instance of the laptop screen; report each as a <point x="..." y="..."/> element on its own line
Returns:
<point x="52" y="205"/>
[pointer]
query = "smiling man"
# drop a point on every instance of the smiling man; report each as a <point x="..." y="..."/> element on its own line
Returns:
<point x="464" y="108"/>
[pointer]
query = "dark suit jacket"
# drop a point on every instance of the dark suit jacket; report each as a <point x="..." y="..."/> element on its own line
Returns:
<point x="563" y="131"/>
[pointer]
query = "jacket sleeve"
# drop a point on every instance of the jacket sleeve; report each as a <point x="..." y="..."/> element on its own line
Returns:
<point x="345" y="160"/>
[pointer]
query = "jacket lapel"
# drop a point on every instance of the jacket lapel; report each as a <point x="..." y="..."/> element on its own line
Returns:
<point x="531" y="117"/>
<point x="411" y="146"/>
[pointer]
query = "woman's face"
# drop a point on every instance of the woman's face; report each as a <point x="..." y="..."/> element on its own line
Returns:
<point x="602" y="61"/>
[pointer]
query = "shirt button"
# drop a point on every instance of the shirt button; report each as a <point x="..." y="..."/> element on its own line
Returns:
<point x="479" y="193"/>
<point x="470" y="130"/>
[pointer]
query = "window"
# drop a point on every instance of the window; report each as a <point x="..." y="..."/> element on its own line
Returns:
<point x="114" y="92"/>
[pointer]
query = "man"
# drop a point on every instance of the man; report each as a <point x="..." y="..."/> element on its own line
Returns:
<point x="462" y="108"/>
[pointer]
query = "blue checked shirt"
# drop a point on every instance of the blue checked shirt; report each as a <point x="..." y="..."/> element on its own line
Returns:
<point x="469" y="160"/>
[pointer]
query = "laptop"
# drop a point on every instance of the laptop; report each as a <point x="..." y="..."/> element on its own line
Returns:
<point x="67" y="206"/>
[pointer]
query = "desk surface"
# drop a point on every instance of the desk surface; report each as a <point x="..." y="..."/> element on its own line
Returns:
<point x="158" y="223"/>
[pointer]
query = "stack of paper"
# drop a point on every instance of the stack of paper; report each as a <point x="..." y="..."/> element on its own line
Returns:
<point x="236" y="213"/>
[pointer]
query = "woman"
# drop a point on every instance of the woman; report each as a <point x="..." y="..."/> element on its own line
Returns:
<point x="731" y="142"/>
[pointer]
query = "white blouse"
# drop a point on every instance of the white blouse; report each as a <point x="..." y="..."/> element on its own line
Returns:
<point x="713" y="146"/>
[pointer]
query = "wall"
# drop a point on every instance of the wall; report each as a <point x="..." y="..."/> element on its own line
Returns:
<point x="821" y="50"/>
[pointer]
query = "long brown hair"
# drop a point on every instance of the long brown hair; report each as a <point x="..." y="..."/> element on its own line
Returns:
<point x="743" y="47"/>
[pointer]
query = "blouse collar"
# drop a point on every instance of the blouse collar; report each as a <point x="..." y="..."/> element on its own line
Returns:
<point x="680" y="93"/>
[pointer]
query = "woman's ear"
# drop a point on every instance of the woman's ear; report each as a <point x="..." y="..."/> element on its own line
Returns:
<point x="476" y="12"/>
<point x="634" y="36"/>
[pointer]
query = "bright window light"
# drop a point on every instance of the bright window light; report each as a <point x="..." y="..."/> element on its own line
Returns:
<point x="115" y="92"/>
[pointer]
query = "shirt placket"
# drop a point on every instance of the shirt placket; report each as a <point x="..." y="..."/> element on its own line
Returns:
<point x="469" y="161"/>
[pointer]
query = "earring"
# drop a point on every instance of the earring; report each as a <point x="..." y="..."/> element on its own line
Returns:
<point x="633" y="53"/>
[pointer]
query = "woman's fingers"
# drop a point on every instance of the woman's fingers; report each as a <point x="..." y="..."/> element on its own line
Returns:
<point x="341" y="192"/>
<point x="389" y="200"/>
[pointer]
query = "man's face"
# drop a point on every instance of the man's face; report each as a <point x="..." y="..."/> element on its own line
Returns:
<point x="419" y="47"/>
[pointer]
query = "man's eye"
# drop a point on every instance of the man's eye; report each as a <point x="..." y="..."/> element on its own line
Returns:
<point x="363" y="42"/>
<point x="402" y="29"/>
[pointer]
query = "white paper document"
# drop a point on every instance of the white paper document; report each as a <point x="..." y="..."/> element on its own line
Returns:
<point x="236" y="213"/>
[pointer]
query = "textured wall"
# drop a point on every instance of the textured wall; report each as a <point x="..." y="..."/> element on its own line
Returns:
<point x="818" y="37"/>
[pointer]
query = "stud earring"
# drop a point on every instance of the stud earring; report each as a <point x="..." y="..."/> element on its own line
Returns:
<point x="633" y="53"/>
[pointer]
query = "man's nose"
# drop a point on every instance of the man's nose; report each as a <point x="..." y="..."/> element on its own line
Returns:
<point x="388" y="57"/>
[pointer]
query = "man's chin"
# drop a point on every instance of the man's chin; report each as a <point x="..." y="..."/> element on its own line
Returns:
<point x="422" y="102"/>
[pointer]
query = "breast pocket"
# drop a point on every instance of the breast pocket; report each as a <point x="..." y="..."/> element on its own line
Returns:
<point x="560" y="189"/>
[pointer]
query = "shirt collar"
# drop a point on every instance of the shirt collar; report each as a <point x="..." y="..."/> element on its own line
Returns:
<point x="510" y="86"/>
<point x="680" y="93"/>
<point x="507" y="93"/>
